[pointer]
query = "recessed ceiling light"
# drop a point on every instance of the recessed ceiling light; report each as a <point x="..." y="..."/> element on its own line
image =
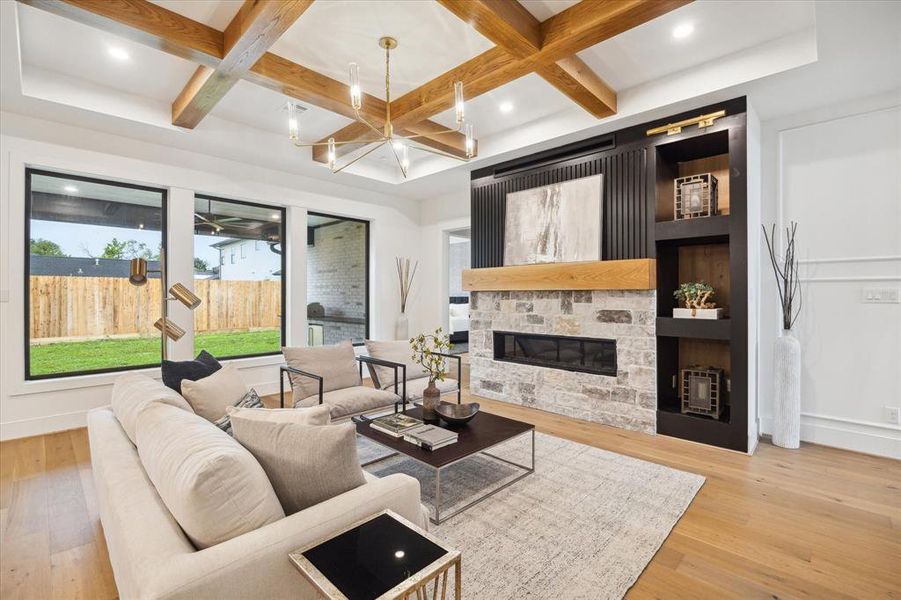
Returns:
<point x="71" y="189"/>
<point x="683" y="31"/>
<point x="506" y="107"/>
<point x="276" y="216"/>
<point x="118" y="53"/>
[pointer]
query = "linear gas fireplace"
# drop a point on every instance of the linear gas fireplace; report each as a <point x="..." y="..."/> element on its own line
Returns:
<point x="587" y="355"/>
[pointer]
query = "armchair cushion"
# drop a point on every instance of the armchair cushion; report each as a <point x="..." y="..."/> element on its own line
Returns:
<point x="415" y="387"/>
<point x="352" y="401"/>
<point x="306" y="464"/>
<point x="396" y="351"/>
<point x="336" y="365"/>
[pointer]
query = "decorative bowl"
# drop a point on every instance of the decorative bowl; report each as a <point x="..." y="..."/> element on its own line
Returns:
<point x="457" y="414"/>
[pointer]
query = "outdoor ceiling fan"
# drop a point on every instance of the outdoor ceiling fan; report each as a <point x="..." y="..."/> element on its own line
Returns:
<point x="215" y="224"/>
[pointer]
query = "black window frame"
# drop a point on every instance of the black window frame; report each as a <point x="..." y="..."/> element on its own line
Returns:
<point x="367" y="224"/>
<point x="283" y="212"/>
<point x="29" y="172"/>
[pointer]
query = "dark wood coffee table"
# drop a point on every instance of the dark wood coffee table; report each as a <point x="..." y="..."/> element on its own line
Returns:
<point x="478" y="436"/>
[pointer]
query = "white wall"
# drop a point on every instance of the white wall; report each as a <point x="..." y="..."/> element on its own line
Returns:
<point x="32" y="407"/>
<point x="837" y="172"/>
<point x="439" y="216"/>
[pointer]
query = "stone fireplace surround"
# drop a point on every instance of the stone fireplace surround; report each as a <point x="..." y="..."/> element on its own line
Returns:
<point x="628" y="400"/>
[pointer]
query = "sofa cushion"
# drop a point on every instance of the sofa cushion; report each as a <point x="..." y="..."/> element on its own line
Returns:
<point x="212" y="485"/>
<point x="314" y="415"/>
<point x="306" y="464"/>
<point x="250" y="400"/>
<point x="416" y="387"/>
<point x="337" y="365"/>
<point x="175" y="371"/>
<point x="132" y="391"/>
<point x="396" y="351"/>
<point x="352" y="401"/>
<point x="211" y="396"/>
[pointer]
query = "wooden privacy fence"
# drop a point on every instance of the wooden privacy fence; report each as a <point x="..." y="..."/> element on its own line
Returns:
<point x="94" y="307"/>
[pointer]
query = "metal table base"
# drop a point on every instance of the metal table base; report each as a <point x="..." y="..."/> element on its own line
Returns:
<point x="438" y="518"/>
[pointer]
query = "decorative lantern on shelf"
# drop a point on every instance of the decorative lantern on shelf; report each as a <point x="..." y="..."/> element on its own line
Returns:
<point x="695" y="196"/>
<point x="702" y="391"/>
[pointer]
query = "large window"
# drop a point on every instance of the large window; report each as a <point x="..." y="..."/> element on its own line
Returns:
<point x="337" y="279"/>
<point x="82" y="314"/>
<point x="242" y="295"/>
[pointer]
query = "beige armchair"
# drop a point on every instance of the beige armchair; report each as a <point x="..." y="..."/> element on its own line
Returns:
<point x="412" y="377"/>
<point x="332" y="375"/>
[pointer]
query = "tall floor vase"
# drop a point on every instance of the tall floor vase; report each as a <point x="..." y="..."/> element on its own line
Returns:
<point x="787" y="400"/>
<point x="402" y="327"/>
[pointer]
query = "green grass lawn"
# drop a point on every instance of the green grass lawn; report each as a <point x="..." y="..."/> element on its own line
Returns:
<point x="73" y="357"/>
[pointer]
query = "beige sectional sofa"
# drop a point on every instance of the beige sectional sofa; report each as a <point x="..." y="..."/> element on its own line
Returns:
<point x="153" y="558"/>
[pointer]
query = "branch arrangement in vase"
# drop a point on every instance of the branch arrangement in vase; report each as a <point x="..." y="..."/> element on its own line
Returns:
<point x="788" y="282"/>
<point x="426" y="349"/>
<point x="406" y="271"/>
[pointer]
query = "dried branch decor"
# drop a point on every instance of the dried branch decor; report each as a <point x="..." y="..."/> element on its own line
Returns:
<point x="406" y="271"/>
<point x="787" y="281"/>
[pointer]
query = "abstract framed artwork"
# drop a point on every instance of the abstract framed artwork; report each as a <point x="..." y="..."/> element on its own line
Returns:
<point x="561" y="222"/>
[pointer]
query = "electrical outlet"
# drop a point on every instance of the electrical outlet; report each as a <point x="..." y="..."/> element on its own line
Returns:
<point x="881" y="296"/>
<point x="893" y="414"/>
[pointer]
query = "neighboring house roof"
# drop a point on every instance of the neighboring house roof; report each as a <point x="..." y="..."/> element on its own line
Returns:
<point x="85" y="266"/>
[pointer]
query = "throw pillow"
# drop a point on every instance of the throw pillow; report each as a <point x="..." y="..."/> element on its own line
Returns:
<point x="132" y="391"/>
<point x="337" y="365"/>
<point x="210" y="396"/>
<point x="313" y="415"/>
<point x="175" y="371"/>
<point x="249" y="400"/>
<point x="212" y="485"/>
<point x="305" y="464"/>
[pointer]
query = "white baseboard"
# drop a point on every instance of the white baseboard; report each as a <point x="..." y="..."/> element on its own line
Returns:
<point x="868" y="438"/>
<point x="42" y="425"/>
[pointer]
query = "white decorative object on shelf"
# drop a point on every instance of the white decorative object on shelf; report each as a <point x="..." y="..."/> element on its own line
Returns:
<point x="698" y="313"/>
<point x="787" y="401"/>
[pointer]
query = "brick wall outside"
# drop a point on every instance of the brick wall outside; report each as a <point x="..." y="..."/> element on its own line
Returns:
<point x="336" y="278"/>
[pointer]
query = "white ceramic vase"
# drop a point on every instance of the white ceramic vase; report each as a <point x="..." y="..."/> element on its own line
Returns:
<point x="787" y="399"/>
<point x="402" y="327"/>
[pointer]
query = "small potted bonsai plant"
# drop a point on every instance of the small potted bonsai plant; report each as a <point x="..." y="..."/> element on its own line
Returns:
<point x="428" y="353"/>
<point x="695" y="300"/>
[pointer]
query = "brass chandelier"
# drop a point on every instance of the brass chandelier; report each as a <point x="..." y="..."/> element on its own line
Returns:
<point x="400" y="145"/>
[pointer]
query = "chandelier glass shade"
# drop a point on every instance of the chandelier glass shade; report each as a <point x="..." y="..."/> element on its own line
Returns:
<point x="385" y="135"/>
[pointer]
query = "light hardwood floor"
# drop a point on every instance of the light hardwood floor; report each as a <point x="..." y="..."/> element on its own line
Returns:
<point x="811" y="523"/>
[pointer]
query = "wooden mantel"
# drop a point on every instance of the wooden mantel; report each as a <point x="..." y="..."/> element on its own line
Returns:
<point x="634" y="274"/>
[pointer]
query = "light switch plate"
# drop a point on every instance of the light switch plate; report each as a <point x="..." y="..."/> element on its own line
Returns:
<point x="881" y="296"/>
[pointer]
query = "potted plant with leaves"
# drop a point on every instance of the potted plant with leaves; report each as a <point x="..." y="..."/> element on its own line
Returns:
<point x="787" y="354"/>
<point x="695" y="300"/>
<point x="428" y="352"/>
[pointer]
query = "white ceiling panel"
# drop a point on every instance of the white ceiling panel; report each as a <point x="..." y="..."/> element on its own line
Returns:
<point x="529" y="98"/>
<point x="431" y="41"/>
<point x="545" y="9"/>
<point x="650" y="51"/>
<point x="215" y="13"/>
<point x="84" y="52"/>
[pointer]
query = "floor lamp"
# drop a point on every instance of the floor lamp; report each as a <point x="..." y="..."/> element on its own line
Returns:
<point x="137" y="276"/>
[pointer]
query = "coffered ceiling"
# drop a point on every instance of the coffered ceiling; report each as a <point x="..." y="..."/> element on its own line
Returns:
<point x="514" y="99"/>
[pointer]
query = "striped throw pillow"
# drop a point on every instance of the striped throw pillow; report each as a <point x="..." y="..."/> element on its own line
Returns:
<point x="250" y="400"/>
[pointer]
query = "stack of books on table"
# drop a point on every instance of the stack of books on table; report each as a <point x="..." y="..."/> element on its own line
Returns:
<point x="395" y="425"/>
<point x="430" y="437"/>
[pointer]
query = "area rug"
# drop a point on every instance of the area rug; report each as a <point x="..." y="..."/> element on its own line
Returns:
<point x="584" y="525"/>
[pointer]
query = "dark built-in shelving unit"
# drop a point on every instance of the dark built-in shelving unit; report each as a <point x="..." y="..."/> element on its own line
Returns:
<point x="638" y="222"/>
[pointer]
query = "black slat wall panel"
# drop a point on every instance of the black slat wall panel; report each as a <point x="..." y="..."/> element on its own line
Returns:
<point x="626" y="203"/>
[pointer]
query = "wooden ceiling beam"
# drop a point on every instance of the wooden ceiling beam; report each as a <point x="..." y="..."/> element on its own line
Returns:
<point x="256" y="26"/>
<point x="508" y="24"/>
<point x="152" y="25"/>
